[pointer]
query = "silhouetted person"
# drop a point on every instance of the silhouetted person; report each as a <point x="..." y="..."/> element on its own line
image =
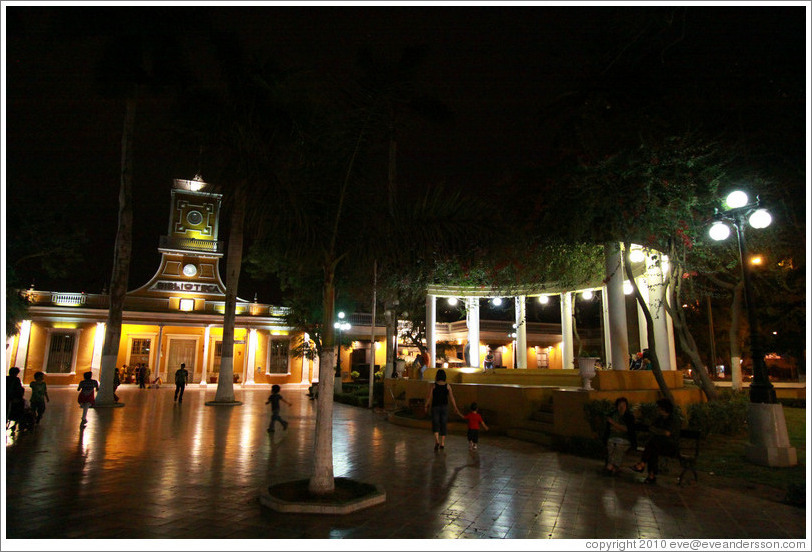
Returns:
<point x="664" y="440"/>
<point x="142" y="376"/>
<point x="15" y="397"/>
<point x="116" y="383"/>
<point x="39" y="395"/>
<point x="274" y="401"/>
<point x="180" y="381"/>
<point x="438" y="399"/>
<point x="87" y="395"/>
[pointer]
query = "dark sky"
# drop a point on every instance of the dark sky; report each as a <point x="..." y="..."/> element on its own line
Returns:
<point x="498" y="69"/>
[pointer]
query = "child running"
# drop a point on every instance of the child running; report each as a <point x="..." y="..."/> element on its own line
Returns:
<point x="474" y="421"/>
<point x="87" y="395"/>
<point x="39" y="394"/>
<point x="275" y="399"/>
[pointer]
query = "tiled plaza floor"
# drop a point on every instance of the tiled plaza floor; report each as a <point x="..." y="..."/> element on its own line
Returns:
<point x="155" y="469"/>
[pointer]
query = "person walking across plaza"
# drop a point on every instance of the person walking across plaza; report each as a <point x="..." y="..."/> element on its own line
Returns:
<point x="87" y="395"/>
<point x="437" y="400"/>
<point x="141" y="374"/>
<point x="475" y="420"/>
<point x="116" y="383"/>
<point x="39" y="394"/>
<point x="274" y="400"/>
<point x="181" y="374"/>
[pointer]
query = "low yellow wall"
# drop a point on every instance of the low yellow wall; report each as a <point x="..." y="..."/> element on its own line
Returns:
<point x="608" y="380"/>
<point x="568" y="405"/>
<point x="512" y="404"/>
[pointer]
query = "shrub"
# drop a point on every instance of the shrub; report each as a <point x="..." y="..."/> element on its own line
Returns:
<point x="725" y="416"/>
<point x="355" y="374"/>
<point x="793" y="403"/>
<point x="596" y="413"/>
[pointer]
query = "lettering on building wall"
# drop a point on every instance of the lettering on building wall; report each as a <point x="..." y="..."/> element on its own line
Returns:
<point x="186" y="286"/>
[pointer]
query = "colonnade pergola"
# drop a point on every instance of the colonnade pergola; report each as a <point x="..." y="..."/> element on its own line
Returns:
<point x="649" y="268"/>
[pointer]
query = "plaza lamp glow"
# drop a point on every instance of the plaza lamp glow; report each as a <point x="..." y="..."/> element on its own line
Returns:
<point x="587" y="294"/>
<point x="544" y="299"/>
<point x="738" y="210"/>
<point x="769" y="439"/>
<point x="340" y="326"/>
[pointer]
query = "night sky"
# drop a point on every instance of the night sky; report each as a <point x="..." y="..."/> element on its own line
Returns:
<point x="498" y="69"/>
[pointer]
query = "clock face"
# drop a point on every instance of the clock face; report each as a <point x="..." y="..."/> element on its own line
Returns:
<point x="190" y="270"/>
<point x="194" y="218"/>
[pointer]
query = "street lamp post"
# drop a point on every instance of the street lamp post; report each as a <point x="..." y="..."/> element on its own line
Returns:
<point x="769" y="439"/>
<point x="761" y="390"/>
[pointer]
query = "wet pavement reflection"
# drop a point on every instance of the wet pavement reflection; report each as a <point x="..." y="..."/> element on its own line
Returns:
<point x="158" y="469"/>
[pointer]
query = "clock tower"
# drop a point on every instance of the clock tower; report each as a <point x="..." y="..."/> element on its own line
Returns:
<point x="189" y="274"/>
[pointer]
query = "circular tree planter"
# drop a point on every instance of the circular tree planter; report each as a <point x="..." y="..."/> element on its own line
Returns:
<point x="349" y="496"/>
<point x="223" y="403"/>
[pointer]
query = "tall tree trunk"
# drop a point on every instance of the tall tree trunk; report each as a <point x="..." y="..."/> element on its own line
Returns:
<point x="121" y="260"/>
<point x="225" y="379"/>
<point x="391" y="338"/>
<point x="652" y="345"/>
<point x="322" y="481"/>
<point x="736" y="317"/>
<point x="686" y="339"/>
<point x="372" y="332"/>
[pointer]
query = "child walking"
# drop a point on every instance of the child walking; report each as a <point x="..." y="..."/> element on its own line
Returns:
<point x="275" y="399"/>
<point x="474" y="421"/>
<point x="87" y="395"/>
<point x="39" y="394"/>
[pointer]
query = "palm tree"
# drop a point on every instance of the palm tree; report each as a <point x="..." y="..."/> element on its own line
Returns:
<point x="142" y="54"/>
<point x="244" y="120"/>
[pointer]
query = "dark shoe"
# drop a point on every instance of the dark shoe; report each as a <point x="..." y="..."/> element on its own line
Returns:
<point x="650" y="481"/>
<point x="638" y="468"/>
<point x="442" y="446"/>
<point x="436" y="446"/>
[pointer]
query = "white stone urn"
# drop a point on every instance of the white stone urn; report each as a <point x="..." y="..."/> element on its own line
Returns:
<point x="586" y="366"/>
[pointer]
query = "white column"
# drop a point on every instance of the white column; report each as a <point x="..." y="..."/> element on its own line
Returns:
<point x="206" y="338"/>
<point x="607" y="338"/>
<point x="98" y="345"/>
<point x="305" y="361"/>
<point x="521" y="333"/>
<point x="472" y="321"/>
<point x="431" y="320"/>
<point x="617" y="332"/>
<point x="567" y="353"/>
<point x="656" y="305"/>
<point x="21" y="358"/>
<point x="9" y="348"/>
<point x="641" y="318"/>
<point x="158" y="355"/>
<point x="251" y="357"/>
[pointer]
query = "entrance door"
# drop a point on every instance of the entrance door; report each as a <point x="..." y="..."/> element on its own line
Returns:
<point x="180" y="350"/>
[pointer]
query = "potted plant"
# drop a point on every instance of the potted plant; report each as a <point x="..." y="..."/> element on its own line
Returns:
<point x="355" y="375"/>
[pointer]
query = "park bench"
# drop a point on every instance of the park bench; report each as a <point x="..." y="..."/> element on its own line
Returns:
<point x="687" y="451"/>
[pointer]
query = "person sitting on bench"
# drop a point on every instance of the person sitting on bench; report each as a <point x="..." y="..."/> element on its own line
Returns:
<point x="664" y="440"/>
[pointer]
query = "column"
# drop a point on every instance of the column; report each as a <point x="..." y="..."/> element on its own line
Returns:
<point x="158" y="355"/>
<point x="431" y="320"/>
<point x="472" y="322"/>
<point x="567" y="353"/>
<point x="617" y="348"/>
<point x="521" y="333"/>
<point x="98" y="345"/>
<point x="21" y="358"/>
<point x="656" y="305"/>
<point x="605" y="332"/>
<point x="305" y="362"/>
<point x="251" y="357"/>
<point x="206" y="338"/>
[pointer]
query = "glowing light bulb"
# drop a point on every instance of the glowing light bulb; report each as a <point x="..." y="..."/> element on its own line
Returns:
<point x="719" y="231"/>
<point x="760" y="219"/>
<point x="736" y="199"/>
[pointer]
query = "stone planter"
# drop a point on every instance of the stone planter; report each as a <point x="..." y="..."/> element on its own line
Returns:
<point x="586" y="366"/>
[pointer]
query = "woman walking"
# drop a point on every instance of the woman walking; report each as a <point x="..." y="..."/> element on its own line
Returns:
<point x="438" y="398"/>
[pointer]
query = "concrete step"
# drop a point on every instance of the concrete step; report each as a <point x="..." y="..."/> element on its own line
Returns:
<point x="529" y="435"/>
<point x="546" y="407"/>
<point x="536" y="425"/>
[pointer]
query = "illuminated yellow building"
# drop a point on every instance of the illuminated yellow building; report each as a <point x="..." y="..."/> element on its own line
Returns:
<point x="175" y="317"/>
